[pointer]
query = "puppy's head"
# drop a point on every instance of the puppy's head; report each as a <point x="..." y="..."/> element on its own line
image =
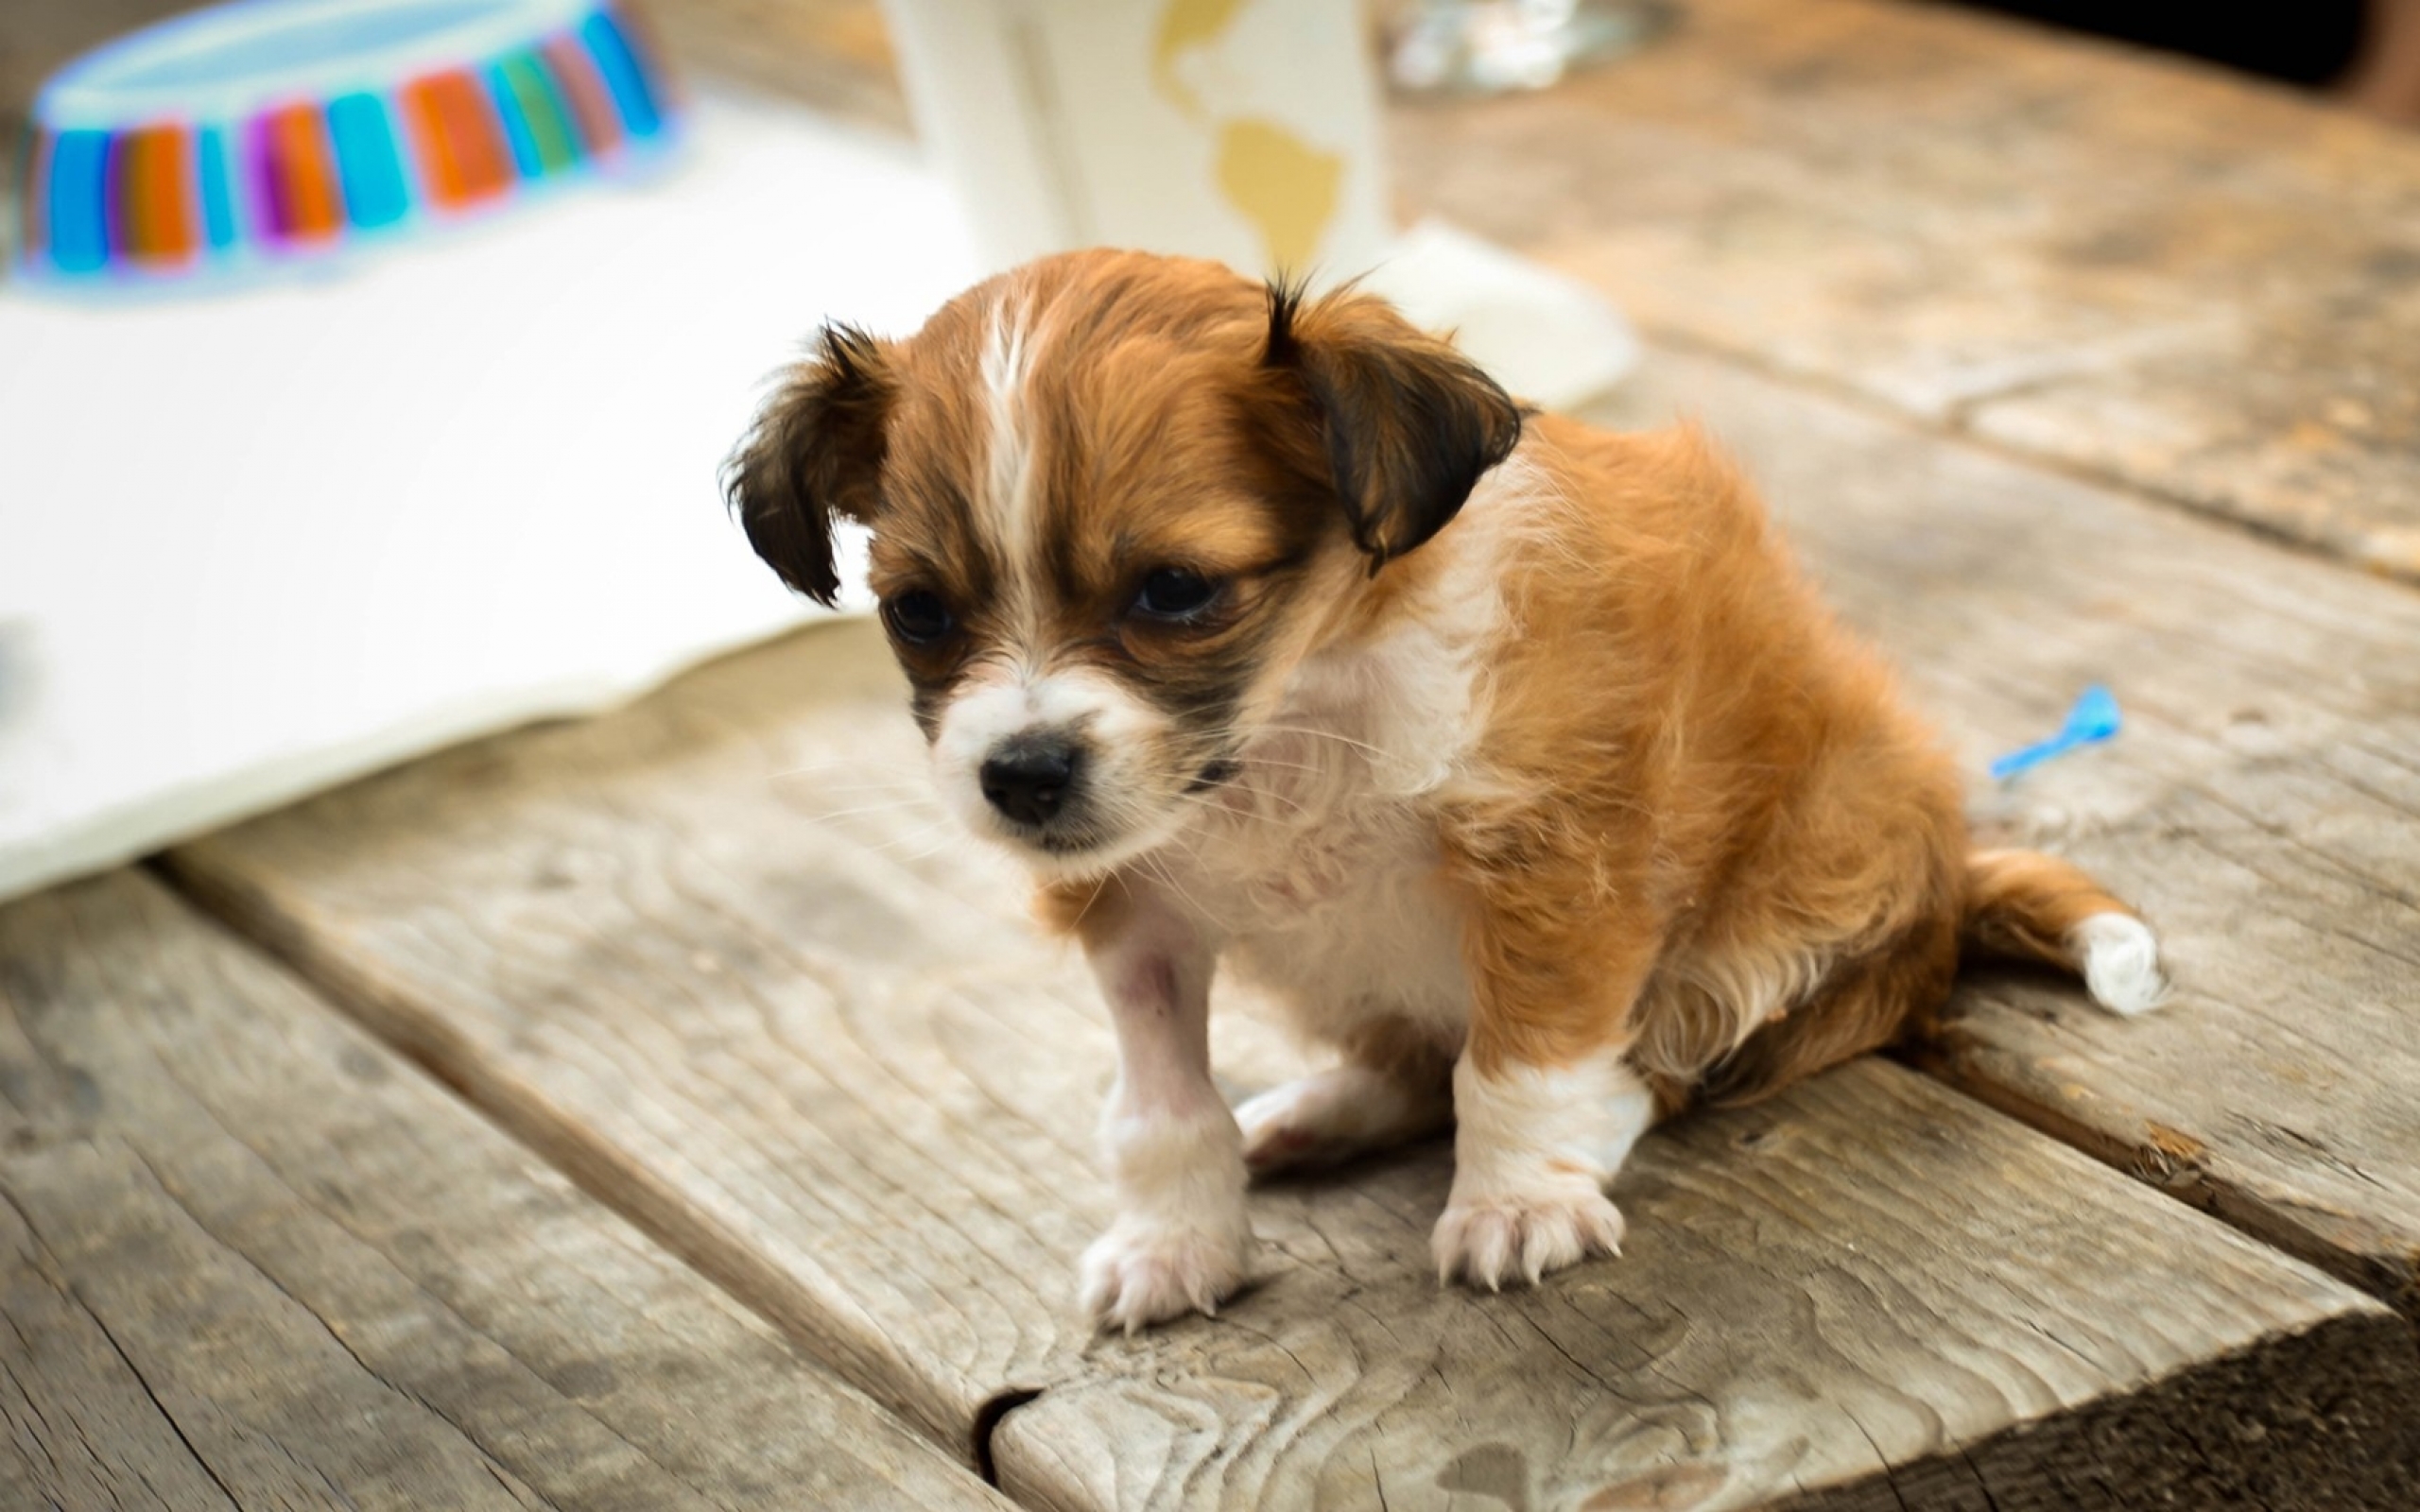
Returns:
<point x="1114" y="500"/>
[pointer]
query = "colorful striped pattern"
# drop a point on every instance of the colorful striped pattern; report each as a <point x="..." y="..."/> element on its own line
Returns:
<point x="167" y="196"/>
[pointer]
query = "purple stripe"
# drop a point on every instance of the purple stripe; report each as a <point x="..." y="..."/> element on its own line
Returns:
<point x="115" y="192"/>
<point x="264" y="195"/>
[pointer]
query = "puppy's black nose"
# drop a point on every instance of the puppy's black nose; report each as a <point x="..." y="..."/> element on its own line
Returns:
<point x="1027" y="779"/>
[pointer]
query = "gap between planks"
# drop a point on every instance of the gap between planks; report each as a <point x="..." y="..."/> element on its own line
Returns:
<point x="597" y="1167"/>
<point x="601" y="1170"/>
<point x="1079" y="1439"/>
<point x="243" y="1247"/>
<point x="1860" y="528"/>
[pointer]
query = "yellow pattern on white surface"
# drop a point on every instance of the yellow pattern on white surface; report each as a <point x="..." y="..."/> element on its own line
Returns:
<point x="1286" y="187"/>
<point x="1283" y="186"/>
<point x="1185" y="25"/>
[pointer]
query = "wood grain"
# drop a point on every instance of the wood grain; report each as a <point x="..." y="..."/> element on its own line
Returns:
<point x="249" y="1258"/>
<point x="2207" y="288"/>
<point x="1862" y="1290"/>
<point x="717" y="955"/>
<point x="799" y="1050"/>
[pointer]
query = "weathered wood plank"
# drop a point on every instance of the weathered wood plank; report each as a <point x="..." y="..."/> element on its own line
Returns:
<point x="249" y="1258"/>
<point x="1862" y="1272"/>
<point x="2263" y="805"/>
<point x="83" y="1427"/>
<point x="695" y="950"/>
<point x="2154" y="272"/>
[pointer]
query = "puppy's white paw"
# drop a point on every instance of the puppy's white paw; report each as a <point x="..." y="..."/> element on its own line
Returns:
<point x="1136" y="1274"/>
<point x="1334" y="1116"/>
<point x="1492" y="1241"/>
<point x="2119" y="957"/>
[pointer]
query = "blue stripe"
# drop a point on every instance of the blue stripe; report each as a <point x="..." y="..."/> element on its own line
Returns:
<point x="217" y="199"/>
<point x="516" y="123"/>
<point x="624" y="78"/>
<point x="79" y="232"/>
<point x="367" y="165"/>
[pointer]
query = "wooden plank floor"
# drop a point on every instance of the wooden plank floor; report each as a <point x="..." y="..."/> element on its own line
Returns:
<point x="1978" y="307"/>
<point x="699" y="947"/>
<point x="249" y="1258"/>
<point x="846" y="1080"/>
<point x="2158" y="272"/>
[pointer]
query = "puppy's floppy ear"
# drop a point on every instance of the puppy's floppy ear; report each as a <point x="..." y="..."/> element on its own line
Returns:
<point x="816" y="451"/>
<point x="1405" y="424"/>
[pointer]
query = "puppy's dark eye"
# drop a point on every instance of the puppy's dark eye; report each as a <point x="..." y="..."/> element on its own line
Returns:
<point x="1173" y="593"/>
<point x="918" y="617"/>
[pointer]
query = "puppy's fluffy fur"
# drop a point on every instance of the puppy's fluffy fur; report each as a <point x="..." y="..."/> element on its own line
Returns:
<point x="1515" y="758"/>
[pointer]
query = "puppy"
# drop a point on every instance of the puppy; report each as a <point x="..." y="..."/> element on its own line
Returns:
<point x="1514" y="758"/>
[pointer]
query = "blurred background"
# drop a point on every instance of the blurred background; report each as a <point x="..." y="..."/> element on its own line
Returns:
<point x="837" y="52"/>
<point x="283" y="499"/>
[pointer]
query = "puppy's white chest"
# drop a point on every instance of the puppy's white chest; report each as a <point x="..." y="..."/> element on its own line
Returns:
<point x="1323" y="880"/>
<point x="1319" y="867"/>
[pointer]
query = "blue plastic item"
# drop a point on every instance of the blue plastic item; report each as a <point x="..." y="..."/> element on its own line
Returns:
<point x="2094" y="719"/>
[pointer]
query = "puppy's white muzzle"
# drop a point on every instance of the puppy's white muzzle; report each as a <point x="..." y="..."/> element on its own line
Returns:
<point x="1055" y="766"/>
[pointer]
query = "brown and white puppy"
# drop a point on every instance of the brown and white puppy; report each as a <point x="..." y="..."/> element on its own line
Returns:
<point x="1514" y="758"/>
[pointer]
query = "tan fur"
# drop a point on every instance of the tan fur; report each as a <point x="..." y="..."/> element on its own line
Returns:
<point x="1694" y="840"/>
<point x="2023" y="905"/>
<point x="1698" y="782"/>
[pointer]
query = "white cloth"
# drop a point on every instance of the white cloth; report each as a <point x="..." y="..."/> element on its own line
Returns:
<point x="258" y="540"/>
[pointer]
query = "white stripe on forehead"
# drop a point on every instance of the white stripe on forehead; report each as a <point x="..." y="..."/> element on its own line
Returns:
<point x="1007" y="513"/>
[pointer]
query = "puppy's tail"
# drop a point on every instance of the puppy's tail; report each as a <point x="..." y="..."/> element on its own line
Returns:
<point x="2025" y="905"/>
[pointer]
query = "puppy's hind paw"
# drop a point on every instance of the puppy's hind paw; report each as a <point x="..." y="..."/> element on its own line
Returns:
<point x="1334" y="1116"/>
<point x="1136" y="1275"/>
<point x="2119" y="959"/>
<point x="1490" y="1242"/>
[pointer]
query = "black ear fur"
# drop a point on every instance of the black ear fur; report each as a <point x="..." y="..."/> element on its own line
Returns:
<point x="1408" y="425"/>
<point x="816" y="451"/>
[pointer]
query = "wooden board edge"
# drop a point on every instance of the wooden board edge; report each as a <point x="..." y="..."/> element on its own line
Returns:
<point x="2273" y="1426"/>
<point x="2342" y="1247"/>
<point x="622" y="1184"/>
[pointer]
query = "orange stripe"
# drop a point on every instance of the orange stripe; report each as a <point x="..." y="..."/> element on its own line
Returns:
<point x="307" y="172"/>
<point x="158" y="210"/>
<point x="461" y="143"/>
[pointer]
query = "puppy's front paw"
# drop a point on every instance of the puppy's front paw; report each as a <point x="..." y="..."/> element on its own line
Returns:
<point x="1493" y="1240"/>
<point x="1138" y="1274"/>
